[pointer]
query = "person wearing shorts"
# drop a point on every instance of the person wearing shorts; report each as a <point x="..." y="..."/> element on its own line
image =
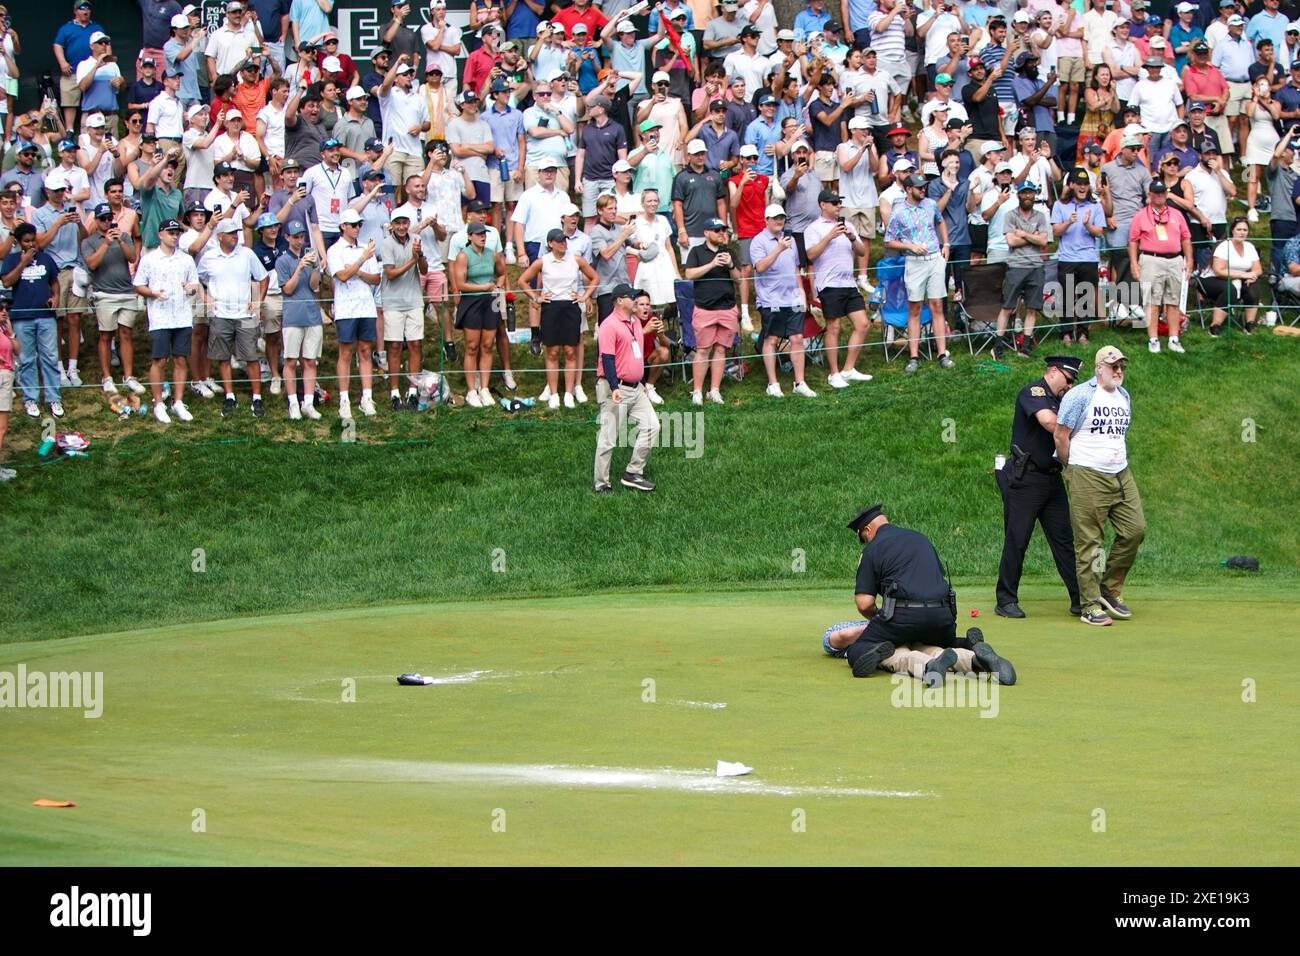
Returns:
<point x="355" y="272"/>
<point x="561" y="306"/>
<point x="266" y="248"/>
<point x="478" y="271"/>
<point x="716" y="319"/>
<point x="110" y="255"/>
<point x="780" y="300"/>
<point x="403" y="262"/>
<point x="1160" y="255"/>
<point x="916" y="229"/>
<point x="1028" y="236"/>
<point x="165" y="279"/>
<point x="233" y="295"/>
<point x="299" y="276"/>
<point x="510" y="141"/>
<point x="604" y="143"/>
<point x="832" y="247"/>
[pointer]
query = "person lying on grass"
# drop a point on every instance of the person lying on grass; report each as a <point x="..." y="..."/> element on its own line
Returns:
<point x="925" y="662"/>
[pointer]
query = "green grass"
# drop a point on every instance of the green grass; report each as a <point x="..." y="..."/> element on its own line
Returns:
<point x="244" y="720"/>
<point x="292" y="519"/>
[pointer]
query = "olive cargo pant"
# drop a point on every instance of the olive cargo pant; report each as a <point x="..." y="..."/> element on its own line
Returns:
<point x="1096" y="497"/>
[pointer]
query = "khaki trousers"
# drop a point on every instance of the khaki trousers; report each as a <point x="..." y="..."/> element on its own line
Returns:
<point x="1096" y="498"/>
<point x="912" y="658"/>
<point x="635" y="407"/>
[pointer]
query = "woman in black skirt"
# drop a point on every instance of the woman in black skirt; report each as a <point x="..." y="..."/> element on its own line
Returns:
<point x="479" y="274"/>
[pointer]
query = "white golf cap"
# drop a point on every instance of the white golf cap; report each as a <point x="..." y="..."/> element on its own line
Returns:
<point x="95" y="120"/>
<point x="401" y="212"/>
<point x="1236" y="21"/>
<point x="798" y="145"/>
<point x="570" y="210"/>
<point x="97" y="36"/>
<point x="903" y="165"/>
<point x="661" y="77"/>
<point x="579" y="28"/>
<point x="1003" y="168"/>
<point x="350" y="215"/>
<point x="785" y="35"/>
<point x="227" y="225"/>
<point x="696" y="146"/>
<point x="1135" y="129"/>
<point x="1157" y="42"/>
<point x="180" y="21"/>
<point x="195" y="109"/>
<point x="55" y="179"/>
<point x="1186" y="8"/>
<point x="991" y="147"/>
<point x="356" y="93"/>
<point x="774" y="210"/>
<point x="188" y="9"/>
<point x="749" y="150"/>
<point x="625" y="26"/>
<point x="859" y="122"/>
<point x="331" y="64"/>
<point x="1022" y="16"/>
<point x="401" y="69"/>
<point x="547" y="162"/>
<point x="622" y="166"/>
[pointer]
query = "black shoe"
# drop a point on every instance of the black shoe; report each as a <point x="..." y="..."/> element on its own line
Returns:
<point x="1009" y="610"/>
<point x="259" y="410"/>
<point x="535" y="346"/>
<point x="1115" y="606"/>
<point x="603" y="489"/>
<point x="988" y="659"/>
<point x="974" y="635"/>
<point x="1027" y="345"/>
<point x="864" y="657"/>
<point x="449" y="351"/>
<point x="1076" y="609"/>
<point x="937" y="670"/>
<point x="396" y="403"/>
<point x="228" y="407"/>
<point x="639" y="482"/>
<point x="412" y="402"/>
<point x="1216" y="330"/>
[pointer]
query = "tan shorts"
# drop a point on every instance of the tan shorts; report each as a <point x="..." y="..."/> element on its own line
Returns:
<point x="561" y="178"/>
<point x="403" y="325"/>
<point x="303" y="342"/>
<point x="69" y="91"/>
<point x="926" y="278"/>
<point x="6" y="391"/>
<point x="199" y="309"/>
<point x="826" y="167"/>
<point x="1161" y="280"/>
<point x="272" y="312"/>
<point x="509" y="191"/>
<point x="116" y="309"/>
<point x="1238" y="95"/>
<point x="863" y="221"/>
<point x="68" y="303"/>
<point x="402" y="165"/>
<point x="1069" y="69"/>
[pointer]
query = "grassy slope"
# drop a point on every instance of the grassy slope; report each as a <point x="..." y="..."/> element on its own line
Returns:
<point x="244" y="720"/>
<point x="292" y="519"/>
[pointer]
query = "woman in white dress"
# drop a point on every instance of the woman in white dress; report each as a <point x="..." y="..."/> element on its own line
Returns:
<point x="932" y="141"/>
<point x="657" y="270"/>
<point x="1264" y="111"/>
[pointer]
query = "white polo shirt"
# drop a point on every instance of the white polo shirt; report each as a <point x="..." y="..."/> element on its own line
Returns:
<point x="539" y="211"/>
<point x="229" y="279"/>
<point x="161" y="272"/>
<point x="330" y="190"/>
<point x="229" y="48"/>
<point x="165" y="116"/>
<point x="216" y="200"/>
<point x="353" y="299"/>
<point x="400" y="111"/>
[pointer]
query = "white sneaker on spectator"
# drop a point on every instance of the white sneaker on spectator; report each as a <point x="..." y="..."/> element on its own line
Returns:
<point x="568" y="400"/>
<point x="553" y="402"/>
<point x="579" y="395"/>
<point x="853" y="375"/>
<point x="345" y="406"/>
<point x="31" y="408"/>
<point x="7" y="474"/>
<point x="1153" y="346"/>
<point x="56" y="409"/>
<point x="276" y="384"/>
<point x="1176" y="346"/>
<point x="485" y="397"/>
<point x="295" y="413"/>
<point x="546" y="394"/>
<point x="865" y="285"/>
<point x="746" y="323"/>
<point x="651" y="394"/>
<point x="774" y="390"/>
<point x="64" y="381"/>
<point x="507" y="377"/>
<point x="367" y="406"/>
<point x="697" y="398"/>
<point x="199" y="389"/>
<point x="160" y="413"/>
<point x="1252" y="214"/>
<point x="715" y="397"/>
<point x="134" y="385"/>
<point x="108" y="386"/>
<point x="309" y="411"/>
<point x="381" y="360"/>
<point x="74" y="377"/>
<point x="211" y="385"/>
<point x="181" y="412"/>
<point x="836" y="381"/>
<point x="801" y="388"/>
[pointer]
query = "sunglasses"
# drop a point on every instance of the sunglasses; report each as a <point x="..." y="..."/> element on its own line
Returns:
<point x="661" y="86"/>
<point x="1117" y="366"/>
<point x="542" y="94"/>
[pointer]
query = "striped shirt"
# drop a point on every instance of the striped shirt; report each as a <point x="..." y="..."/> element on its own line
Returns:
<point x="991" y="56"/>
<point x="891" y="44"/>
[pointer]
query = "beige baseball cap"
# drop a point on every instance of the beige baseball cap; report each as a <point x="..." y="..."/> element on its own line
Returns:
<point x="1109" y="353"/>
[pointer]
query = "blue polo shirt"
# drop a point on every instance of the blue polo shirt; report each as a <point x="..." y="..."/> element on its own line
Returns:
<point x="75" y="40"/>
<point x="522" y="23"/>
<point x="808" y="22"/>
<point x="722" y="147"/>
<point x="34" y="287"/>
<point x="762" y="135"/>
<point x="1233" y="58"/>
<point x="1270" y="26"/>
<point x="506" y="128"/>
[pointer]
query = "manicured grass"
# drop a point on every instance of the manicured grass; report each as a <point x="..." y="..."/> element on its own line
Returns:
<point x="245" y="721"/>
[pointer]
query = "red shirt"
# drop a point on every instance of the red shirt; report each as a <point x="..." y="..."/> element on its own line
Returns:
<point x="749" y="211"/>
<point x="1203" y="84"/>
<point x="1143" y="230"/>
<point x="477" y="67"/>
<point x="592" y="17"/>
<point x="620" y="335"/>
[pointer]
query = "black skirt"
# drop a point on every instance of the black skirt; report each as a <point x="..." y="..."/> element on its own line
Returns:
<point x="478" y="311"/>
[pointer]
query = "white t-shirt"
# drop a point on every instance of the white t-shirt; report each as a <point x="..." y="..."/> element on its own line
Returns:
<point x="198" y="162"/>
<point x="78" y="181"/>
<point x="766" y="24"/>
<point x="936" y="38"/>
<point x="329" y="191"/>
<point x="461" y="132"/>
<point x="353" y="299"/>
<point x="1098" y="443"/>
<point x="223" y="144"/>
<point x="216" y="200"/>
<point x="167" y="273"/>
<point x="400" y="111"/>
<point x="1208" y="190"/>
<point x="1158" y="103"/>
<point x="1242" y="261"/>
<point x="752" y="68"/>
<point x="428" y="240"/>
<point x="191" y="236"/>
<point x="539" y="211"/>
<point x="881" y="83"/>
<point x="1096" y="32"/>
<point x="274" y="136"/>
<point x="979" y="181"/>
<point x="229" y="279"/>
<point x="165" y="116"/>
<point x="858" y="185"/>
<point x="445" y="60"/>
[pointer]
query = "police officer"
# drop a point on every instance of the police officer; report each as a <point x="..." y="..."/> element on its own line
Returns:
<point x="1032" y="489"/>
<point x="918" y="604"/>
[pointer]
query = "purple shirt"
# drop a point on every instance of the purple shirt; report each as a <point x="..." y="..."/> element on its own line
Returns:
<point x="1076" y="244"/>
<point x="835" y="265"/>
<point x="778" y="287"/>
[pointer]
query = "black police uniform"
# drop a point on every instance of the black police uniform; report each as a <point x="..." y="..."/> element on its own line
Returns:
<point x="903" y="564"/>
<point x="1032" y="491"/>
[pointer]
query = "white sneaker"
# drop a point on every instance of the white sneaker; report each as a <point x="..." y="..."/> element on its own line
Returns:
<point x="134" y="385"/>
<point x="697" y="398"/>
<point x="546" y="394"/>
<point x="1252" y="214"/>
<point x="56" y="409"/>
<point x="345" y="407"/>
<point x="7" y="474"/>
<point x="579" y="395"/>
<point x="485" y="397"/>
<point x="181" y="412"/>
<point x="865" y="285"/>
<point x="276" y="384"/>
<point x="774" y="390"/>
<point x="31" y="408"/>
<point x="108" y="386"/>
<point x="309" y="411"/>
<point x="64" y="381"/>
<point x="553" y="402"/>
<point x="836" y="381"/>
<point x="1176" y="346"/>
<point x="160" y="413"/>
<point x="801" y="388"/>
<point x="295" y="413"/>
<point x="74" y="377"/>
<point x="1153" y="346"/>
<point x="568" y="400"/>
<point x="381" y="361"/>
<point x="715" y="397"/>
<point x="853" y="375"/>
<point x="651" y="394"/>
<point x="210" y="384"/>
<point x="509" y="380"/>
<point x="746" y="323"/>
<point x="367" y="406"/>
<point x="199" y="389"/>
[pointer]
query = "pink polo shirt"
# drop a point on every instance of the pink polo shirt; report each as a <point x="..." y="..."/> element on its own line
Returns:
<point x="620" y="336"/>
<point x="1143" y="230"/>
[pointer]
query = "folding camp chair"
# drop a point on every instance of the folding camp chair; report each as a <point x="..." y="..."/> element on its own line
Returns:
<point x="894" y="309"/>
<point x="983" y="300"/>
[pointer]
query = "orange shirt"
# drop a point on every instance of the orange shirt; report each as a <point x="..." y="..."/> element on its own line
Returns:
<point x="249" y="98"/>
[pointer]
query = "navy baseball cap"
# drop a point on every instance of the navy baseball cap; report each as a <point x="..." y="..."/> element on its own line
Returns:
<point x="766" y="99"/>
<point x="295" y="228"/>
<point x="555" y="235"/>
<point x="715" y="225"/>
<point x="170" y="225"/>
<point x="375" y="143"/>
<point x="103" y="211"/>
<point x="501" y="86"/>
<point x="373" y="173"/>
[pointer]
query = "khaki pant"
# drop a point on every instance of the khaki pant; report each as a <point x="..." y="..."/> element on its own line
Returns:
<point x="912" y="658"/>
<point x="613" y="424"/>
<point x="402" y="165"/>
<point x="1096" y="497"/>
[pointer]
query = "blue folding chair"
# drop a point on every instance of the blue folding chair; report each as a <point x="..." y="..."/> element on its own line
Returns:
<point x="893" y="308"/>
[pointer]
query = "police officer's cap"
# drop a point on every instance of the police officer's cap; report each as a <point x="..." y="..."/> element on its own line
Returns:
<point x="1068" y="364"/>
<point x="866" y="516"/>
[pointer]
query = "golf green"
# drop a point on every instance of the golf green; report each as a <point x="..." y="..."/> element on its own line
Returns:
<point x="587" y="730"/>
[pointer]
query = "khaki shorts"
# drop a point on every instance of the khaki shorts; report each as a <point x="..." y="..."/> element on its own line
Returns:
<point x="1238" y="95"/>
<point x="1161" y="280"/>
<point x="1069" y="69"/>
<point x="926" y="278"/>
<point x="403" y="325"/>
<point x="272" y="312"/>
<point x="303" y="342"/>
<point x="6" y="391"/>
<point x="509" y="191"/>
<point x="561" y="178"/>
<point x="116" y="309"/>
<point x="69" y="91"/>
<point x="402" y="165"/>
<point x="825" y="165"/>
<point x="68" y="303"/>
<point x="198" y="308"/>
<point x="863" y="221"/>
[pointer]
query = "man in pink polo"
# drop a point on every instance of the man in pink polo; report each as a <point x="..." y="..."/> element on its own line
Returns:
<point x="621" y="394"/>
<point x="1160" y="246"/>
